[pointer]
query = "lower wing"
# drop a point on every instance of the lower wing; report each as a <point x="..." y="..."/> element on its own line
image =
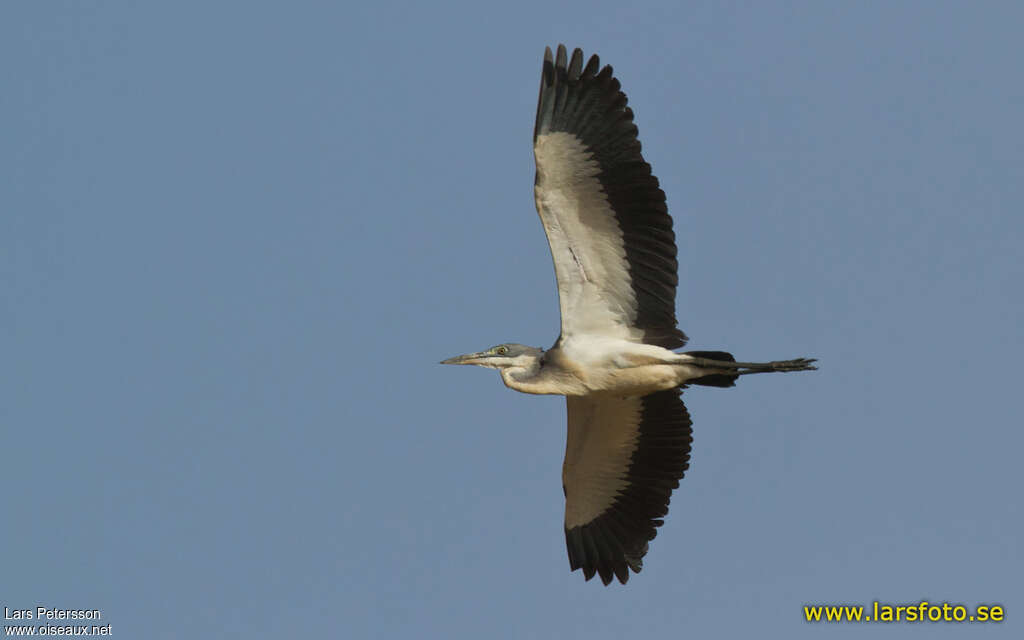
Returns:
<point x="623" y="458"/>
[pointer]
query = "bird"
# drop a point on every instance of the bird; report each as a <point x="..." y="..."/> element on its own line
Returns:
<point x="615" y="360"/>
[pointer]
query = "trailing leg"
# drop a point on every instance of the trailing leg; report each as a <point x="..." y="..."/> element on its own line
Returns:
<point x="722" y="360"/>
<point x="714" y="379"/>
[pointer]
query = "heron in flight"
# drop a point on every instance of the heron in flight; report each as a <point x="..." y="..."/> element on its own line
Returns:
<point x="614" y="251"/>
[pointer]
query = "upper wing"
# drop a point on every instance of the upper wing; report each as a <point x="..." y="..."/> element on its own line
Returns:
<point x="605" y="217"/>
<point x="623" y="458"/>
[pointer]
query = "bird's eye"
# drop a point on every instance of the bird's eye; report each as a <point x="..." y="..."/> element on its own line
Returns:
<point x="501" y="350"/>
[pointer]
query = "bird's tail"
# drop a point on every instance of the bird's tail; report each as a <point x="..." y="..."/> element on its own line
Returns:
<point x="715" y="379"/>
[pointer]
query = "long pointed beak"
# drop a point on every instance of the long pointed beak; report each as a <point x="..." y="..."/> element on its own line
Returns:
<point x="469" y="358"/>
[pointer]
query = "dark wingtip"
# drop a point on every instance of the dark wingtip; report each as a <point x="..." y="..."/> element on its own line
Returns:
<point x="576" y="64"/>
<point x="573" y="65"/>
<point x="561" y="58"/>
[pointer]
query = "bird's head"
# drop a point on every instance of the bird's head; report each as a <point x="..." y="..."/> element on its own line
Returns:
<point x="502" y="356"/>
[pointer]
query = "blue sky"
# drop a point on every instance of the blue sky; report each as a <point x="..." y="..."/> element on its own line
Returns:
<point x="236" y="239"/>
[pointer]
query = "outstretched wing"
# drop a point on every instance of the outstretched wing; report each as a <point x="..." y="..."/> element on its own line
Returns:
<point x="605" y="218"/>
<point x="623" y="458"/>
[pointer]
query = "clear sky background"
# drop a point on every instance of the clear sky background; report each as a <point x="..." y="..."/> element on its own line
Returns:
<point x="237" y="238"/>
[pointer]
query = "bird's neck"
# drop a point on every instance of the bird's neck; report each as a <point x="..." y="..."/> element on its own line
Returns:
<point x="526" y="379"/>
<point x="540" y="381"/>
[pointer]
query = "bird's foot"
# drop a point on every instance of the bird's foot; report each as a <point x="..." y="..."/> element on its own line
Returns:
<point x="798" y="364"/>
